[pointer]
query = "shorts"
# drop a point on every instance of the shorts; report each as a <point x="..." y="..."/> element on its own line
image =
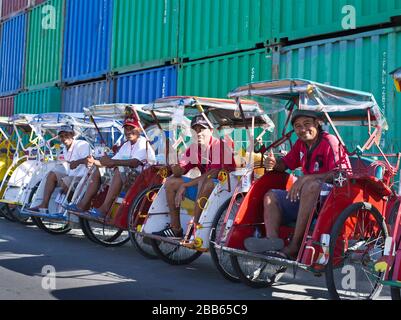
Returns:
<point x="192" y="192"/>
<point x="67" y="180"/>
<point x="289" y="210"/>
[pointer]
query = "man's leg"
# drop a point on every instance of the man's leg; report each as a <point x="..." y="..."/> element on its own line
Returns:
<point x="51" y="184"/>
<point x="113" y="192"/>
<point x="172" y="186"/>
<point x="309" y="196"/>
<point x="272" y="215"/>
<point x="206" y="187"/>
<point x="91" y="191"/>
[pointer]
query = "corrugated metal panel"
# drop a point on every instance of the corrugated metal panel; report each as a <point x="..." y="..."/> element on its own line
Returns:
<point x="6" y="106"/>
<point x="213" y="27"/>
<point x="296" y="19"/>
<point x="217" y="76"/>
<point x="360" y="62"/>
<point x="146" y="86"/>
<point x="12" y="52"/>
<point x="87" y="39"/>
<point x="12" y="7"/>
<point x="75" y="98"/>
<point x="145" y="33"/>
<point x="44" y="47"/>
<point x="38" y="101"/>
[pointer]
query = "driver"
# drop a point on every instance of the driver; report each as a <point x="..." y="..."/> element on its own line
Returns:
<point x="206" y="156"/>
<point x="318" y="153"/>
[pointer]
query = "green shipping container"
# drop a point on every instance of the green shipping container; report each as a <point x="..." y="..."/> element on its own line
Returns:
<point x="216" y="77"/>
<point x="38" y="101"/>
<point x="297" y="19"/>
<point x="214" y="27"/>
<point x="145" y="34"/>
<point x="359" y="62"/>
<point x="44" y="46"/>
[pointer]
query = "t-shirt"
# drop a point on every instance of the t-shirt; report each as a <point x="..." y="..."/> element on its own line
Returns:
<point x="218" y="155"/>
<point x="79" y="150"/>
<point x="137" y="151"/>
<point x="326" y="155"/>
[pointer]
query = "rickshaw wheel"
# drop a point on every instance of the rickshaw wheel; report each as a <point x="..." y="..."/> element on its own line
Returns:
<point x="22" y="219"/>
<point x="256" y="273"/>
<point x="137" y="240"/>
<point x="54" y="228"/>
<point x="8" y="213"/>
<point x="222" y="260"/>
<point x="173" y="254"/>
<point x="365" y="247"/>
<point x="107" y="236"/>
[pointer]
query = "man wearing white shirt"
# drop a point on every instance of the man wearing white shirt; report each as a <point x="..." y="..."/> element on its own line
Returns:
<point x="75" y="154"/>
<point x="132" y="156"/>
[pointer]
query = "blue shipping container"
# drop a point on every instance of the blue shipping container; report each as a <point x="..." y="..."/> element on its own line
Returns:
<point x="75" y="98"/>
<point x="146" y="86"/>
<point x="12" y="55"/>
<point x="87" y="39"/>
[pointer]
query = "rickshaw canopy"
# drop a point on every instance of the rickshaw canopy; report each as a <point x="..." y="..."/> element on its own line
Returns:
<point x="220" y="112"/>
<point x="345" y="107"/>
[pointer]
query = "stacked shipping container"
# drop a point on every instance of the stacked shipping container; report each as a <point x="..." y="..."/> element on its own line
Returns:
<point x="120" y="50"/>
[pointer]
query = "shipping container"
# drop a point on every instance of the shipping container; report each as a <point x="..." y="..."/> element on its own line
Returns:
<point x="214" y="27"/>
<point x="216" y="77"/>
<point x="75" y="98"/>
<point x="37" y="2"/>
<point x="6" y="106"/>
<point x="38" y="101"/>
<point x="145" y="34"/>
<point x="44" y="46"/>
<point x="12" y="54"/>
<point x="87" y="39"/>
<point x="10" y="8"/>
<point x="146" y="86"/>
<point x="298" y="19"/>
<point x="359" y="62"/>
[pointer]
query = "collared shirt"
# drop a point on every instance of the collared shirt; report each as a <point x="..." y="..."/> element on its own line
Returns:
<point x="324" y="156"/>
<point x="79" y="150"/>
<point x="217" y="155"/>
<point x="138" y="151"/>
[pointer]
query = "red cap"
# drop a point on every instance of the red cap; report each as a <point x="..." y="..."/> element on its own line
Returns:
<point x="132" y="123"/>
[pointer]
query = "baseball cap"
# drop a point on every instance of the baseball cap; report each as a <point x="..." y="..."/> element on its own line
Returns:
<point x="199" y="120"/>
<point x="304" y="113"/>
<point x="131" y="122"/>
<point x="66" y="128"/>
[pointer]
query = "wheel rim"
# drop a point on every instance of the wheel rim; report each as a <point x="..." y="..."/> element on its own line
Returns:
<point x="174" y="254"/>
<point x="107" y="235"/>
<point x="354" y="276"/>
<point x="55" y="227"/>
<point x="142" y="205"/>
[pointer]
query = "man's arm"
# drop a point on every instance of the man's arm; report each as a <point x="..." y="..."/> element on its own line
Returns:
<point x="132" y="163"/>
<point x="76" y="163"/>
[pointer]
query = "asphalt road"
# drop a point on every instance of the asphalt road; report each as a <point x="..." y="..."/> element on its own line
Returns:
<point x="85" y="270"/>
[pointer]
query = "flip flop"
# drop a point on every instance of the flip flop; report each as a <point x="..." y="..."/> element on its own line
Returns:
<point x="96" y="213"/>
<point x="260" y="245"/>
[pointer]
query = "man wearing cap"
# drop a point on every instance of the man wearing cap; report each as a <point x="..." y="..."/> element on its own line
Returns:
<point x="205" y="154"/>
<point x="131" y="156"/>
<point x="75" y="153"/>
<point x="318" y="153"/>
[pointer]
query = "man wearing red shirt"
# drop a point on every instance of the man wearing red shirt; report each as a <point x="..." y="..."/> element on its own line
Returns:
<point x="209" y="155"/>
<point x="318" y="154"/>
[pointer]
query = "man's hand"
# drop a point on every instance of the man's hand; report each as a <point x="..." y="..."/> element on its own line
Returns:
<point x="177" y="170"/>
<point x="74" y="165"/>
<point x="270" y="161"/>
<point x="90" y="161"/>
<point x="295" y="193"/>
<point x="106" y="161"/>
<point x="180" y="196"/>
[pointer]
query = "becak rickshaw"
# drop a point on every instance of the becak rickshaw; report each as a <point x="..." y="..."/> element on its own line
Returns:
<point x="53" y="218"/>
<point x="111" y="229"/>
<point x="345" y="230"/>
<point x="11" y="155"/>
<point x="390" y="263"/>
<point x="29" y="152"/>
<point x="218" y="117"/>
